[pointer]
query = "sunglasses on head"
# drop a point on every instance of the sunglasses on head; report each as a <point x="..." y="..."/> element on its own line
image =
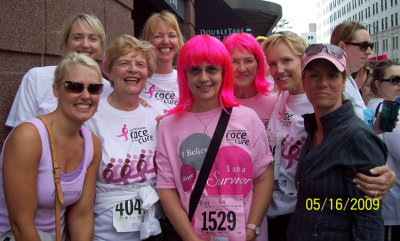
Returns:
<point x="77" y="87"/>
<point x="327" y="48"/>
<point x="363" y="45"/>
<point x="395" y="80"/>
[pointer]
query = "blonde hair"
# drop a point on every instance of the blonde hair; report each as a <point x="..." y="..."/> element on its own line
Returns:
<point x="74" y="59"/>
<point x="165" y="17"/>
<point x="126" y="43"/>
<point x="91" y="20"/>
<point x="296" y="43"/>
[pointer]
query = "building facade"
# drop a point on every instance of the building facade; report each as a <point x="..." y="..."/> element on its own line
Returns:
<point x="380" y="17"/>
<point x="311" y="36"/>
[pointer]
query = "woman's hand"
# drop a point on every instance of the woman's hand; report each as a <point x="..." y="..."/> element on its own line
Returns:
<point x="250" y="234"/>
<point x="144" y="103"/>
<point x="378" y="185"/>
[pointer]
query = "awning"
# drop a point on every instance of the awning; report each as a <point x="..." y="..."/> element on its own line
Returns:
<point x="223" y="17"/>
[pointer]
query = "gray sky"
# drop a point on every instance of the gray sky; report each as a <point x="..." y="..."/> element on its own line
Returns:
<point x="299" y="13"/>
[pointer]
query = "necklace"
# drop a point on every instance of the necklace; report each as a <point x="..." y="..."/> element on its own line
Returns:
<point x="204" y="125"/>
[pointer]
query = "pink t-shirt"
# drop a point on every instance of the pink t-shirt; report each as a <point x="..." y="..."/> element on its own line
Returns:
<point x="262" y="104"/>
<point x="243" y="156"/>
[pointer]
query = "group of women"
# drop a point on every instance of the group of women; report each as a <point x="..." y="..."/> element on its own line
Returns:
<point x="315" y="158"/>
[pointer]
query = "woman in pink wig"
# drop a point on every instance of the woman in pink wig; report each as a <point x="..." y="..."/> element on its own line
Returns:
<point x="249" y="74"/>
<point x="234" y="200"/>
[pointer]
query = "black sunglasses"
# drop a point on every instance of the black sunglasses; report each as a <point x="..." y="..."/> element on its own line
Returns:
<point x="331" y="49"/>
<point x="363" y="45"/>
<point x="77" y="87"/>
<point x="395" y="80"/>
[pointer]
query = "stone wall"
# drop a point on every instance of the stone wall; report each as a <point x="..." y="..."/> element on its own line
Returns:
<point x="28" y="37"/>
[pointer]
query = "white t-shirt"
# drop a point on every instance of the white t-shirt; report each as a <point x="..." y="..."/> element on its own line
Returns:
<point x="391" y="203"/>
<point x="353" y="94"/>
<point x="128" y="146"/>
<point x="162" y="91"/>
<point x="287" y="128"/>
<point x="242" y="156"/>
<point x="35" y="95"/>
<point x="263" y="105"/>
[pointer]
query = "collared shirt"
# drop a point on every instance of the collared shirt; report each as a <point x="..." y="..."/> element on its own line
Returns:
<point x="324" y="175"/>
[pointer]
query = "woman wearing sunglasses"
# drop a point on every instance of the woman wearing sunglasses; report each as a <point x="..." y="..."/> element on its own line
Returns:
<point x="249" y="68"/>
<point x="354" y="39"/>
<point x="235" y="195"/>
<point x="126" y="199"/>
<point x="162" y="31"/>
<point x="386" y="86"/>
<point x="82" y="33"/>
<point x="26" y="177"/>
<point x="339" y="145"/>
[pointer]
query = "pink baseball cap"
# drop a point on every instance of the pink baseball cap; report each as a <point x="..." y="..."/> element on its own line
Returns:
<point x="330" y="52"/>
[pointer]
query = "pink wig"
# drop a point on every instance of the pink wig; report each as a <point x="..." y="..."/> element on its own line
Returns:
<point x="196" y="51"/>
<point x="245" y="41"/>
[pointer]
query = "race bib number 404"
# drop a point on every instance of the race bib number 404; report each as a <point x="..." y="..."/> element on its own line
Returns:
<point x="220" y="218"/>
<point x="128" y="215"/>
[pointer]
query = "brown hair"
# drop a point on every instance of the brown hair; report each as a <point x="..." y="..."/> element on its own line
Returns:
<point x="345" y="32"/>
<point x="379" y="73"/>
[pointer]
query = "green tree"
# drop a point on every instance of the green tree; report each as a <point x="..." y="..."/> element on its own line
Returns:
<point x="283" y="24"/>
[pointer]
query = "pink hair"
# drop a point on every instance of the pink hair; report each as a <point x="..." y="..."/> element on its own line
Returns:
<point x="245" y="41"/>
<point x="196" y="51"/>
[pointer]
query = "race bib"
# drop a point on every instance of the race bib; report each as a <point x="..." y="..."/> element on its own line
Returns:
<point x="220" y="218"/>
<point x="128" y="215"/>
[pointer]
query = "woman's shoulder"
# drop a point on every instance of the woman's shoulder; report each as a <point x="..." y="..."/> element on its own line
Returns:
<point x="244" y="110"/>
<point x="42" y="71"/>
<point x="25" y="136"/>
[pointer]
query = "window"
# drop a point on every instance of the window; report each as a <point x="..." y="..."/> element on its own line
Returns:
<point x="373" y="9"/>
<point x="391" y="21"/>
<point x="376" y="8"/>
<point x="393" y="43"/>
<point x="396" y="19"/>
<point x="382" y="5"/>
<point x="385" y="4"/>
<point x="383" y="24"/>
<point x="377" y="46"/>
<point x="383" y="46"/>
<point x="386" y="21"/>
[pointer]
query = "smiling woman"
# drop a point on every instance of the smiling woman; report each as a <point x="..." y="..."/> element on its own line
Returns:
<point x="127" y="131"/>
<point x="241" y="172"/>
<point x="82" y="33"/>
<point x="162" y="31"/>
<point x="26" y="170"/>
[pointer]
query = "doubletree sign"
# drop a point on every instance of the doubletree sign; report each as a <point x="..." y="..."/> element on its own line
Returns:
<point x="222" y="33"/>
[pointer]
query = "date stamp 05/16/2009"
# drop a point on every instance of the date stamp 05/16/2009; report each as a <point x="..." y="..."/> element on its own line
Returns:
<point x="339" y="204"/>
